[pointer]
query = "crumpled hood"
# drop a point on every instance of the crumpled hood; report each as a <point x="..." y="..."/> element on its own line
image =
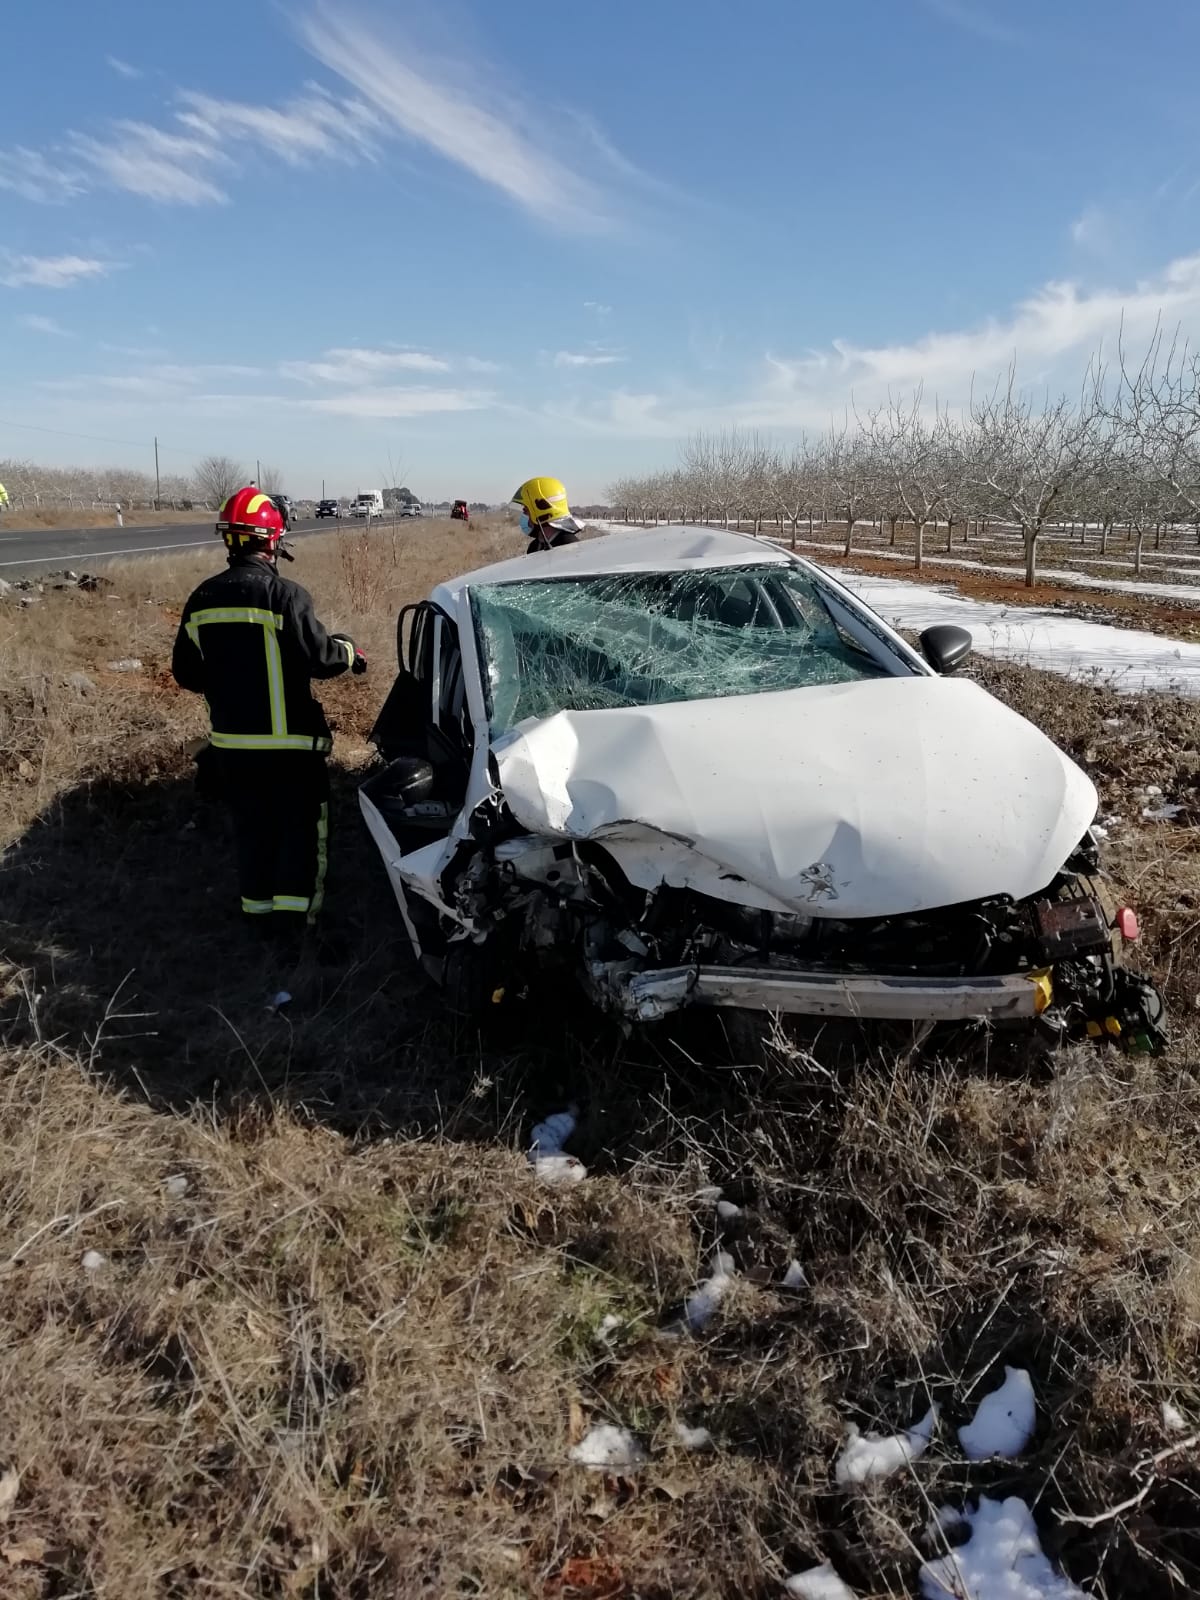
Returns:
<point x="847" y="800"/>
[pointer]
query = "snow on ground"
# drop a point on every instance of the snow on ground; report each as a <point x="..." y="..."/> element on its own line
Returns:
<point x="1002" y="1560"/>
<point x="878" y="1455"/>
<point x="1033" y="636"/>
<point x="1004" y="1421"/>
<point x="1080" y="580"/>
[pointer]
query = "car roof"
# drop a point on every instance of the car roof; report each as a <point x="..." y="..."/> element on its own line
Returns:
<point x="635" y="550"/>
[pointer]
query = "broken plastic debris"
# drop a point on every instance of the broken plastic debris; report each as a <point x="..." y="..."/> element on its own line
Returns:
<point x="278" y="1001"/>
<point x="1172" y="1419"/>
<point x="1163" y="813"/>
<point x="703" y="1301"/>
<point x="550" y="1161"/>
<point x="1004" y="1421"/>
<point x="176" y="1185"/>
<point x="710" y="1194"/>
<point x="878" y="1455"/>
<point x="819" y="1583"/>
<point x="795" y="1277"/>
<point x="1002" y="1560"/>
<point x="126" y="664"/>
<point x="693" y="1438"/>
<point x="608" y="1446"/>
<point x="92" y="1261"/>
<point x="549" y="1137"/>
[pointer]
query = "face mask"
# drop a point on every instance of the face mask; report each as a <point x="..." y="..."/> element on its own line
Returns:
<point x="526" y="525"/>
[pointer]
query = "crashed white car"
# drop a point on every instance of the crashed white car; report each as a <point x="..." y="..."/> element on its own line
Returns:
<point x="690" y="768"/>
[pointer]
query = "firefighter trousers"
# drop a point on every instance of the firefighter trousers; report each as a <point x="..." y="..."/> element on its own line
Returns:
<point x="279" y="802"/>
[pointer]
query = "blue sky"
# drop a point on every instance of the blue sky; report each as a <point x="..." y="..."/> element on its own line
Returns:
<point x="486" y="240"/>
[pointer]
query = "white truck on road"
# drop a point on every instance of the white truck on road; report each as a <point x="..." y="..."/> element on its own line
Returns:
<point x="367" y="503"/>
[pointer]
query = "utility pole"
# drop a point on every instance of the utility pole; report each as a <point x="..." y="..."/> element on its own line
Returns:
<point x="258" y="468"/>
<point x="157" y="479"/>
<point x="322" y="488"/>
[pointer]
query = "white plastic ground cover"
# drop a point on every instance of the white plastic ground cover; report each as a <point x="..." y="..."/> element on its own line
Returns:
<point x="1033" y="636"/>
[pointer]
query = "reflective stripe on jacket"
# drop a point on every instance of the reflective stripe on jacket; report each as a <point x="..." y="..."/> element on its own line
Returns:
<point x="249" y="641"/>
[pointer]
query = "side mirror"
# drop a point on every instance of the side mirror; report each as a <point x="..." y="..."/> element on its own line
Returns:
<point x="945" y="647"/>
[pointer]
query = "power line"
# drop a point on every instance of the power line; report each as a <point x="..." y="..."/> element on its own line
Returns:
<point x="63" y="433"/>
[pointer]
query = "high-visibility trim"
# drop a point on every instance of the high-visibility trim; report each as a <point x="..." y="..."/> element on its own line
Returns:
<point x="318" y="894"/>
<point x="349" y="649"/>
<point x="271" y="741"/>
<point x="259" y="614"/>
<point x="290" y="902"/>
<point x="257" y="908"/>
<point x="279" y="725"/>
<point x="256" y="504"/>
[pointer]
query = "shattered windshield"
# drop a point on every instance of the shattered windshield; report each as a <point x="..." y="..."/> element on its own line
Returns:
<point x="647" y="638"/>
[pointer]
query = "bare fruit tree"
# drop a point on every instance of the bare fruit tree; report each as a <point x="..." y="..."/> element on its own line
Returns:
<point x="270" y="480"/>
<point x="1026" y="458"/>
<point x="217" y="477"/>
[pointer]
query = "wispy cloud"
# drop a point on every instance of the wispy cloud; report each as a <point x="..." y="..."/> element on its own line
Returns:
<point x="597" y="308"/>
<point x="165" y="380"/>
<point x="973" y="18"/>
<point x="49" y="272"/>
<point x="385" y="402"/>
<point x="123" y="68"/>
<point x="425" y="102"/>
<point x="320" y="127"/>
<point x="141" y="159"/>
<point x="1092" y="229"/>
<point x="34" y="176"/>
<point x="46" y="325"/>
<point x="356" y="366"/>
<point x="588" y="358"/>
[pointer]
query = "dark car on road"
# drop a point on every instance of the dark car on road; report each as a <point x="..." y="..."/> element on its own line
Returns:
<point x="329" y="508"/>
<point x="459" y="512"/>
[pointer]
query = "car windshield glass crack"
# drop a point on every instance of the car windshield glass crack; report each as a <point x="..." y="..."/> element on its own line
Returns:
<point x="648" y="638"/>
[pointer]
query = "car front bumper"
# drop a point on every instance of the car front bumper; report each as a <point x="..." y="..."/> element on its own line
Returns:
<point x="646" y="996"/>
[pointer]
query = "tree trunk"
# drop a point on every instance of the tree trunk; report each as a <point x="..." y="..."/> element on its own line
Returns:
<point x="949" y="533"/>
<point x="795" y="522"/>
<point x="810" y="522"/>
<point x="918" y="544"/>
<point x="1158" y="535"/>
<point x="1105" y="530"/>
<point x="1031" y="544"/>
<point x="849" y="533"/>
<point x="1137" y="551"/>
<point x="893" y="521"/>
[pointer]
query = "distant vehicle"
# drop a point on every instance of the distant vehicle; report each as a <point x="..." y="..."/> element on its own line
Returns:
<point x="328" y="508"/>
<point x="285" y="508"/>
<point x="459" y="512"/>
<point x="368" y="503"/>
<point x="409" y="508"/>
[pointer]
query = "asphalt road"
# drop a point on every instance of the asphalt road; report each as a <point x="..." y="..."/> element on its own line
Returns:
<point x="28" y="554"/>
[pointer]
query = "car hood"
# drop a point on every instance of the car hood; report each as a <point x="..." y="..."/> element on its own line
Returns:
<point x="847" y="800"/>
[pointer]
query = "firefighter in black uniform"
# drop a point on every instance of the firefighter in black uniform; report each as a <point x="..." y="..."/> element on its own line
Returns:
<point x="249" y="641"/>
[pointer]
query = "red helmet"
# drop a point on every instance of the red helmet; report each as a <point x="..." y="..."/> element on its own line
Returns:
<point x="249" y="518"/>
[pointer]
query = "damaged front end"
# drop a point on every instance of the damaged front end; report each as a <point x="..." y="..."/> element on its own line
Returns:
<point x="567" y="908"/>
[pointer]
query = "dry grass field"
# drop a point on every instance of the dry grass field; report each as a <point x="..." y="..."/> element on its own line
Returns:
<point x="285" y="1313"/>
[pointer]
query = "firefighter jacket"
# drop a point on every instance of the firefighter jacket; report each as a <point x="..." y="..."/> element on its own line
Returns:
<point x="249" y="641"/>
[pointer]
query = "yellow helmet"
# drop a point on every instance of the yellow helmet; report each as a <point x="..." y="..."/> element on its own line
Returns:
<point x="545" y="499"/>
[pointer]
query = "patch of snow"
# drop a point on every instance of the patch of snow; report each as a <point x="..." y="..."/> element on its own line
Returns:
<point x="1004" y="1421"/>
<point x="879" y="1455"/>
<point x="693" y="1438"/>
<point x="608" y="1326"/>
<point x="701" y="1305"/>
<point x="727" y="1211"/>
<point x="1123" y="658"/>
<point x="1002" y="1560"/>
<point x="819" y="1583"/>
<point x="176" y="1185"/>
<point x="945" y="1521"/>
<point x="549" y="1137"/>
<point x="558" y="1171"/>
<point x="1172" y="1419"/>
<point x="607" y="1446"/>
<point x="92" y="1261"/>
<point x="795" y="1277"/>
